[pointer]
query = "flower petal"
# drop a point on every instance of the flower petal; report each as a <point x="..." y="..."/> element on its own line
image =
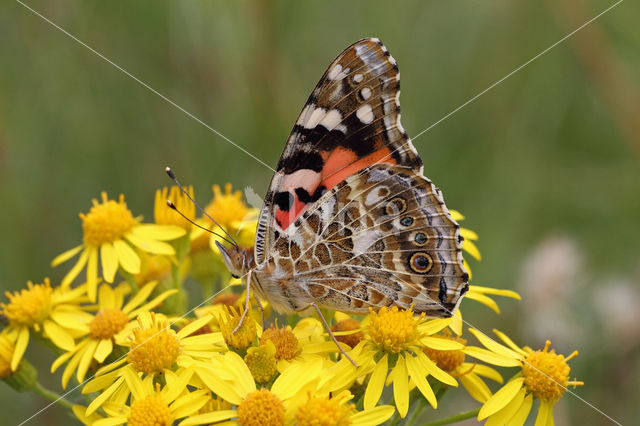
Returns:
<point x="491" y="357"/>
<point x="468" y="234"/>
<point x="85" y="361"/>
<point x="100" y="399"/>
<point x="476" y="387"/>
<point x="485" y="300"/>
<point x="103" y="350"/>
<point x="109" y="261"/>
<point x="521" y="415"/>
<point x="494" y="346"/>
<point x="218" y="386"/>
<point x="140" y="297"/>
<point x="401" y="386"/>
<point x="73" y="273"/>
<point x="501" y="398"/>
<point x="495" y="291"/>
<point x="486" y="371"/>
<point x="433" y="369"/>
<point x="128" y="258"/>
<point x="470" y="247"/>
<point x="504" y="416"/>
<point x="92" y="274"/>
<point x="58" y="335"/>
<point x="376" y="383"/>
<point x="150" y="246"/>
<point x="61" y="258"/>
<point x="509" y="342"/>
<point x="545" y="414"/>
<point x="158" y="232"/>
<point x="291" y="381"/>
<point x="21" y="345"/>
<point x="208" y="418"/>
<point x="373" y="416"/>
<point x="418" y="377"/>
<point x="441" y="344"/>
<point x="193" y="326"/>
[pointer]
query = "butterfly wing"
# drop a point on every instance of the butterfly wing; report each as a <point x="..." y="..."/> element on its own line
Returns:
<point x="350" y="121"/>
<point x="382" y="237"/>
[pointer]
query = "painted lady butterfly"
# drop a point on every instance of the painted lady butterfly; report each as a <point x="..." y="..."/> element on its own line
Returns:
<point x="350" y="222"/>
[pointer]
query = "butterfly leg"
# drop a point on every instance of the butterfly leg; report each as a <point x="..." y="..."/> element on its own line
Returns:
<point x="326" y="326"/>
<point x="246" y="304"/>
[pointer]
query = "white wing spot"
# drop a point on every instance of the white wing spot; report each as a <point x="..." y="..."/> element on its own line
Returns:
<point x="304" y="114"/>
<point x="331" y="119"/>
<point x="335" y="71"/>
<point x="315" y="117"/>
<point x="365" y="114"/>
<point x="358" y="78"/>
<point x="365" y="93"/>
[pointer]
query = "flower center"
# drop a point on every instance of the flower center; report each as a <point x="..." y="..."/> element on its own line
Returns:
<point x="107" y="323"/>
<point x="347" y="325"/>
<point x="30" y="306"/>
<point x="106" y="222"/>
<point x="262" y="362"/>
<point x="546" y="374"/>
<point x="151" y="411"/>
<point x="323" y="412"/>
<point x="228" y="207"/>
<point x="245" y="335"/>
<point x="261" y="408"/>
<point x="447" y="360"/>
<point x="393" y="330"/>
<point x="153" y="349"/>
<point x="283" y="339"/>
<point x="164" y="215"/>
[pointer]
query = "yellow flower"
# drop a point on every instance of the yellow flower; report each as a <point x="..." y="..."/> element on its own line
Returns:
<point x="112" y="324"/>
<point x="54" y="312"/>
<point x="229" y="377"/>
<point x="395" y="340"/>
<point x="469" y="237"/>
<point x="544" y="375"/>
<point x="154" y="349"/>
<point x="229" y="320"/>
<point x="111" y="232"/>
<point x="226" y="207"/>
<point x="262" y="362"/>
<point x="469" y="373"/>
<point x="151" y="405"/>
<point x="335" y="411"/>
<point x="164" y="215"/>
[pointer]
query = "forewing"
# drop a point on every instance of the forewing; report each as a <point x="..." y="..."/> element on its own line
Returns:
<point x="350" y="121"/>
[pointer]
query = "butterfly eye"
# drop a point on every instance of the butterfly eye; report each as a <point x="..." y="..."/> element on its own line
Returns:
<point x="420" y="238"/>
<point x="420" y="262"/>
<point x="406" y="221"/>
<point x="395" y="206"/>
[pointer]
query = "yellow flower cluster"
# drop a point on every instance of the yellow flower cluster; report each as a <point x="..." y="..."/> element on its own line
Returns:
<point x="140" y="356"/>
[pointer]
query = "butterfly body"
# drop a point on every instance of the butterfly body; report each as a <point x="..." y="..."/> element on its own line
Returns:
<point x="350" y="222"/>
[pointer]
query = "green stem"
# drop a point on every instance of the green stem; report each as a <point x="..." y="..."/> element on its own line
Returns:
<point x="51" y="396"/>
<point x="454" y="419"/>
<point x="416" y="414"/>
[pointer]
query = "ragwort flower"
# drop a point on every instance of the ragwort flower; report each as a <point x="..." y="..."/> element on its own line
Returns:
<point x="111" y="325"/>
<point x="544" y="375"/>
<point x="111" y="233"/>
<point x="55" y="313"/>
<point x="336" y="411"/>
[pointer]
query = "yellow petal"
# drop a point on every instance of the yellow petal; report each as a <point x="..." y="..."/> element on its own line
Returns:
<point x="291" y="381"/>
<point x="495" y="291"/>
<point x="545" y="414"/>
<point x="140" y="297"/>
<point x="456" y="215"/>
<point x="103" y="350"/>
<point x="153" y="303"/>
<point x="441" y="344"/>
<point x="494" y="346"/>
<point x="109" y="261"/>
<point x="92" y="274"/>
<point x="491" y="357"/>
<point x="504" y="416"/>
<point x="476" y="387"/>
<point x="61" y="258"/>
<point x="376" y="383"/>
<point x="470" y="247"/>
<point x="85" y="361"/>
<point x="418" y="377"/>
<point x="468" y="234"/>
<point x="401" y="387"/>
<point x="373" y="416"/>
<point x="128" y="258"/>
<point x="158" y="232"/>
<point x="509" y="342"/>
<point x="433" y="326"/>
<point x="171" y="392"/>
<point x="101" y="382"/>
<point x="61" y="360"/>
<point x="501" y="398"/>
<point x="193" y="326"/>
<point x="485" y="300"/>
<point x="208" y="418"/>
<point x="21" y="345"/>
<point x="521" y="415"/>
<point x="456" y="321"/>
<point x="485" y="371"/>
<point x="433" y="369"/>
<point x="73" y="273"/>
<point x="218" y="386"/>
<point x="190" y="403"/>
<point x="100" y="399"/>
<point x="72" y="319"/>
<point x="134" y="382"/>
<point x="58" y="335"/>
<point x="150" y="246"/>
<point x="70" y="368"/>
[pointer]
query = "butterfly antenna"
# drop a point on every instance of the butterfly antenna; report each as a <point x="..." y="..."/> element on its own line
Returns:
<point x="175" y="180"/>
<point x="173" y="206"/>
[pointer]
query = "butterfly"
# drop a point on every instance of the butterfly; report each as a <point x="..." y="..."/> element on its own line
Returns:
<point x="349" y="221"/>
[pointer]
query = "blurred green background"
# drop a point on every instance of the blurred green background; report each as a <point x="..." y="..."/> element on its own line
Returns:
<point x="545" y="166"/>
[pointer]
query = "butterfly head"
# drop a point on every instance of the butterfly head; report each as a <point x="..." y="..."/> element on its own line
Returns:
<point x="236" y="258"/>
